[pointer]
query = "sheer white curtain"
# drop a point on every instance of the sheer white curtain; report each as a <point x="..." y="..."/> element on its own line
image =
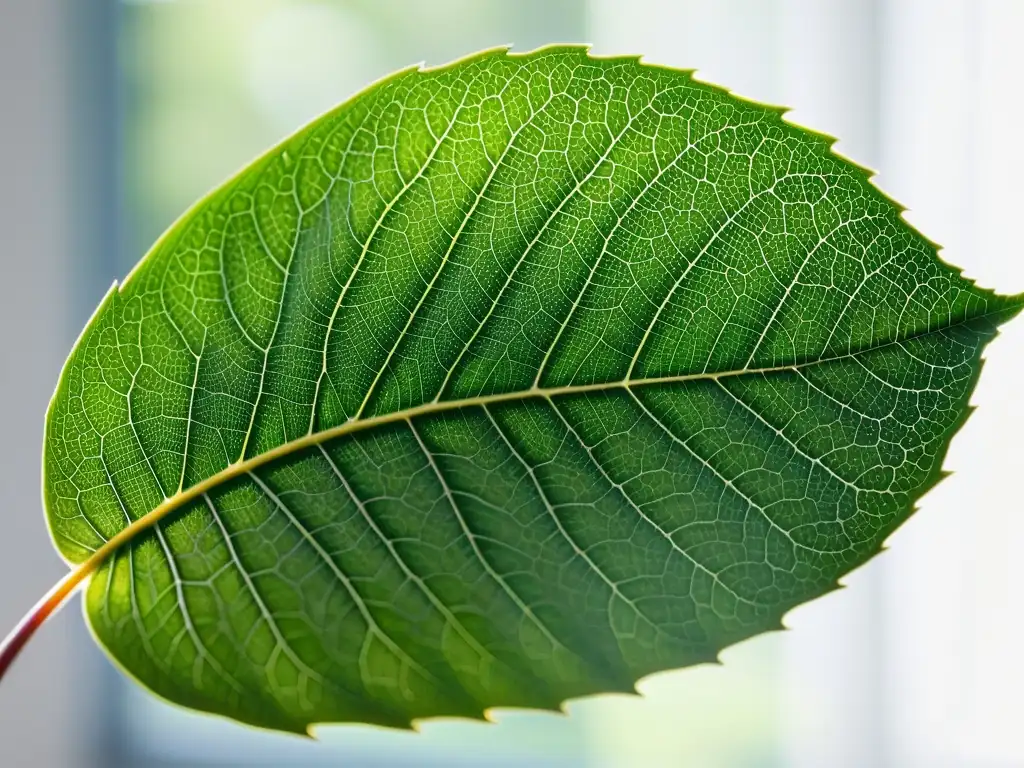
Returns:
<point x="918" y="662"/>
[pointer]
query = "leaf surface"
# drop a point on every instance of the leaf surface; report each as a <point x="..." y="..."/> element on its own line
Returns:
<point x="501" y="384"/>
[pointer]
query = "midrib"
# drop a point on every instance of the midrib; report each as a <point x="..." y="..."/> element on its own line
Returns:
<point x="245" y="466"/>
<point x="53" y="599"/>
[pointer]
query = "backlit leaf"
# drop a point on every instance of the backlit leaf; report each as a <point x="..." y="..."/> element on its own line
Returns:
<point x="501" y="384"/>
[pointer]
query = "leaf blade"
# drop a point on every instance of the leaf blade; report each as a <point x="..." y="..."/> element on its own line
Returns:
<point x="510" y="407"/>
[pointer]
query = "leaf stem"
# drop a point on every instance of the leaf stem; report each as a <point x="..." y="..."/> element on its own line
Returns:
<point x="68" y="585"/>
<point x="35" y="618"/>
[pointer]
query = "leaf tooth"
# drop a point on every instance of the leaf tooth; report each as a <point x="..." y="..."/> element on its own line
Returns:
<point x="581" y="49"/>
<point x="483" y="716"/>
<point x="939" y="248"/>
<point x="624" y="58"/>
<point x="497" y="51"/>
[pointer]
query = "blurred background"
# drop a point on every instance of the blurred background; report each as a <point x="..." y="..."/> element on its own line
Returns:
<point x="114" y="116"/>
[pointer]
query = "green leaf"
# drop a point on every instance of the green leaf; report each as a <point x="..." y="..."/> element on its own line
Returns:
<point x="501" y="384"/>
